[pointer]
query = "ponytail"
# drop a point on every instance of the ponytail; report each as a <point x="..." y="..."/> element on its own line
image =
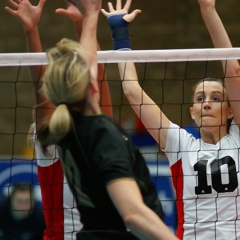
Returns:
<point x="65" y="84"/>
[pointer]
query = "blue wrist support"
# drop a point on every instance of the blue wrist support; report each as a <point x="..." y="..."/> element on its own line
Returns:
<point x="120" y="32"/>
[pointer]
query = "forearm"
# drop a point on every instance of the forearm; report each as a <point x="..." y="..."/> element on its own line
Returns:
<point x="105" y="99"/>
<point x="89" y="33"/>
<point x="231" y="69"/>
<point x="142" y="104"/>
<point x="138" y="217"/>
<point x="127" y="71"/>
<point x="89" y="43"/>
<point x="34" y="45"/>
<point x="78" y="28"/>
<point x="215" y="27"/>
<point x="219" y="37"/>
<point x="33" y="40"/>
<point x="147" y="225"/>
<point x="130" y="85"/>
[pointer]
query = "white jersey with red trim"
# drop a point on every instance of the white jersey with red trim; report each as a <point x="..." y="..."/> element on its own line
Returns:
<point x="206" y="179"/>
<point x="61" y="215"/>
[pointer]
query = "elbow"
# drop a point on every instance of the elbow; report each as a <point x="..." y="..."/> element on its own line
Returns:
<point x="133" y="93"/>
<point x="127" y="92"/>
<point x="233" y="71"/>
<point x="130" y="220"/>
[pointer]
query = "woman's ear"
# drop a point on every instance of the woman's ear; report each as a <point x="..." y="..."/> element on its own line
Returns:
<point x="192" y="113"/>
<point x="230" y="114"/>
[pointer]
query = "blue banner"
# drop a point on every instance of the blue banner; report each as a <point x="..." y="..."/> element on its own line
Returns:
<point x="18" y="170"/>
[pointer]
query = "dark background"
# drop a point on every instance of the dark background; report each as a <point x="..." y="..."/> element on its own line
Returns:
<point x="163" y="24"/>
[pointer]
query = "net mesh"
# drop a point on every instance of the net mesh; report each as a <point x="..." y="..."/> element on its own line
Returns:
<point x="167" y="76"/>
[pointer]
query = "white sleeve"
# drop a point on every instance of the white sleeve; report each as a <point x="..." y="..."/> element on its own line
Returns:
<point x="178" y="140"/>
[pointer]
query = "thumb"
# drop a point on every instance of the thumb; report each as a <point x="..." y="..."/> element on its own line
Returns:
<point x="61" y="11"/>
<point x="131" y="16"/>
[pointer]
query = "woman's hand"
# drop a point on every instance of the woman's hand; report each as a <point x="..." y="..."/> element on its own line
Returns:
<point x="119" y="10"/>
<point x="26" y="13"/>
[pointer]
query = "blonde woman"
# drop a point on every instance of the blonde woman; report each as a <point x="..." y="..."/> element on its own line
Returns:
<point x="61" y="215"/>
<point x="106" y="173"/>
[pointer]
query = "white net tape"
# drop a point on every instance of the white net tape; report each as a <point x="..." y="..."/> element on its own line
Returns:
<point x="173" y="55"/>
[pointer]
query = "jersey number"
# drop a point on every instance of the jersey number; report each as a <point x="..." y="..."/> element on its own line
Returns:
<point x="217" y="185"/>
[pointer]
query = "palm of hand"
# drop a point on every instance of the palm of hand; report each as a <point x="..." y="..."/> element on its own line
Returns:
<point x="28" y="15"/>
<point x="128" y="17"/>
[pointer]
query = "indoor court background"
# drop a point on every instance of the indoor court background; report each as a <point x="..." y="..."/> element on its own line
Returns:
<point x="163" y="24"/>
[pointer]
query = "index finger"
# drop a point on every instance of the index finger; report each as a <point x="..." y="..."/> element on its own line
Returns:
<point x="104" y="12"/>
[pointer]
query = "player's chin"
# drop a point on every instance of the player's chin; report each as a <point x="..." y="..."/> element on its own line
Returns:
<point x="208" y="123"/>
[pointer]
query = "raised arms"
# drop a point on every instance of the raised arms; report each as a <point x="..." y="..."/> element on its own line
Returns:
<point x="125" y="194"/>
<point x="29" y="16"/>
<point x="220" y="39"/>
<point x="75" y="15"/>
<point x="88" y="39"/>
<point x="141" y="103"/>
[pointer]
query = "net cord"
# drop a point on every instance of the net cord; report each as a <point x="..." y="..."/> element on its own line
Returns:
<point x="172" y="55"/>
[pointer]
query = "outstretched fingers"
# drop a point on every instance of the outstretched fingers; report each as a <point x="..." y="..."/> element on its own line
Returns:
<point x="127" y="5"/>
<point x="14" y="6"/>
<point x="12" y="12"/>
<point x="127" y="17"/>
<point x="118" y="9"/>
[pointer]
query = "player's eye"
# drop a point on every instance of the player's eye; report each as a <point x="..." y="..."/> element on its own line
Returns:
<point x="199" y="99"/>
<point x="216" y="99"/>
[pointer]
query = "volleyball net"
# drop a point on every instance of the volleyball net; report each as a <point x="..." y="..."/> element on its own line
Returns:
<point x="172" y="55"/>
<point x="167" y="76"/>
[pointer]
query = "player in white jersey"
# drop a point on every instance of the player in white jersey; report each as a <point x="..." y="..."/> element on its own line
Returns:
<point x="205" y="171"/>
<point x="61" y="215"/>
<point x="206" y="178"/>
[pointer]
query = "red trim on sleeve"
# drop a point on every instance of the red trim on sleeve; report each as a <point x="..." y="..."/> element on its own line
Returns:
<point x="51" y="184"/>
<point x="177" y="178"/>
